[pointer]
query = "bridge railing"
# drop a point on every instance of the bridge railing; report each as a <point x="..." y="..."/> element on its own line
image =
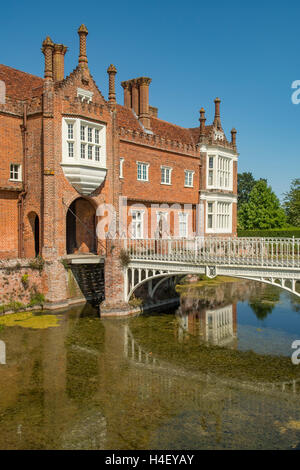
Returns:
<point x="277" y="252"/>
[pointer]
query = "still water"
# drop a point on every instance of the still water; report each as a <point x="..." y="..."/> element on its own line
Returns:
<point x="213" y="373"/>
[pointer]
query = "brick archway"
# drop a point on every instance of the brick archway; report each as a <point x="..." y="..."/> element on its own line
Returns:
<point x="81" y="227"/>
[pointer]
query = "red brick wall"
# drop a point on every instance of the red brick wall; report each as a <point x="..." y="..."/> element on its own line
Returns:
<point x="9" y="224"/>
<point x="11" y="148"/>
<point x="153" y="190"/>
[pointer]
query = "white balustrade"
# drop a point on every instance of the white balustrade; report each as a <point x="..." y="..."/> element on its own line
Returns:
<point x="277" y="252"/>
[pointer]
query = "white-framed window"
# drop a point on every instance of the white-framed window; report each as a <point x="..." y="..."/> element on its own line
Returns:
<point x="210" y="214"/>
<point x="142" y="171"/>
<point x="70" y="131"/>
<point x="183" y="224"/>
<point x="223" y="172"/>
<point x="163" y="228"/>
<point x="71" y="140"/>
<point x="219" y="216"/>
<point x="166" y="174"/>
<point x="121" y="167"/>
<point x="137" y="224"/>
<point x="219" y="172"/>
<point x="84" y="142"/>
<point x="188" y="178"/>
<point x="85" y="95"/>
<point x="15" y="172"/>
<point x="211" y="163"/>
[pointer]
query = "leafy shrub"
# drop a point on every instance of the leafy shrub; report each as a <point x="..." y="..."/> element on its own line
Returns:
<point x="289" y="232"/>
<point x="24" y="280"/>
<point x="37" y="263"/>
<point x="135" y="301"/>
<point x="37" y="298"/>
<point x="124" y="258"/>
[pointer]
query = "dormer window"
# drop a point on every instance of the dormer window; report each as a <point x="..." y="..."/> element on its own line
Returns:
<point x="219" y="135"/>
<point x="85" y="95"/>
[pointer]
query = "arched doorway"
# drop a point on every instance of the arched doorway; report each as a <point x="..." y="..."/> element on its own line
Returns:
<point x="81" y="227"/>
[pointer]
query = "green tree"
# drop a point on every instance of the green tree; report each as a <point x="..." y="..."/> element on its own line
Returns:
<point x="291" y="203"/>
<point x="246" y="183"/>
<point x="263" y="210"/>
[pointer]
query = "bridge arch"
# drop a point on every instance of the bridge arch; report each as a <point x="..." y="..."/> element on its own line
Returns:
<point x="134" y="280"/>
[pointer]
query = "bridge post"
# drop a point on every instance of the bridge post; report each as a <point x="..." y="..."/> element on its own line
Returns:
<point x="114" y="279"/>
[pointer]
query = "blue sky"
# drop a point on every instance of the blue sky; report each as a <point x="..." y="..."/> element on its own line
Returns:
<point x="247" y="55"/>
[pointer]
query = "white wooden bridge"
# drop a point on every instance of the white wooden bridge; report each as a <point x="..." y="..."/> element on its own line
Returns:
<point x="270" y="260"/>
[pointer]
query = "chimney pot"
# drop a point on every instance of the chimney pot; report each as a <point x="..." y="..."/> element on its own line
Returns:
<point x="202" y="124"/>
<point x="144" y="115"/>
<point x="127" y="94"/>
<point x="82" y="32"/>
<point x="58" y="61"/>
<point x="135" y="96"/>
<point x="233" y="137"/>
<point x="217" y="119"/>
<point x="112" y="92"/>
<point x="47" y="50"/>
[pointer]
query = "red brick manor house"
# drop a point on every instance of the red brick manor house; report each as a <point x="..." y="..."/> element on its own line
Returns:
<point x="66" y="150"/>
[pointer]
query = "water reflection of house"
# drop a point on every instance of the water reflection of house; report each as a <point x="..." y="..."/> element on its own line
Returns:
<point x="218" y="326"/>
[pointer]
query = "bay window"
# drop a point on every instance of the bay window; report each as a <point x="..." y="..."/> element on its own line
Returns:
<point x="219" y="172"/>
<point x="83" y="140"/>
<point x="219" y="216"/>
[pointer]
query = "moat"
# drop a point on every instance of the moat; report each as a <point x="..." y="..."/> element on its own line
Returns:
<point x="214" y="372"/>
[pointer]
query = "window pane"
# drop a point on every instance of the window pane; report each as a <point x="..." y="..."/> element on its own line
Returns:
<point x="90" y="134"/>
<point x="97" y="136"/>
<point x="70" y="131"/>
<point x="70" y="149"/>
<point x="82" y="150"/>
<point x="97" y="154"/>
<point x="90" y="152"/>
<point x="82" y="132"/>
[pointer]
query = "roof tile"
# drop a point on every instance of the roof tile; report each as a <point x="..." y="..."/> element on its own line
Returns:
<point x="20" y="85"/>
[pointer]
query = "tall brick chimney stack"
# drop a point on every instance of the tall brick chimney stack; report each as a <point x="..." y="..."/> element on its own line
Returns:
<point x="127" y="94"/>
<point x="47" y="50"/>
<point x="202" y="124"/>
<point x="233" y="138"/>
<point x="144" y="115"/>
<point x="135" y="96"/>
<point x="112" y="90"/>
<point x="58" y="62"/>
<point x="217" y="120"/>
<point x="82" y="32"/>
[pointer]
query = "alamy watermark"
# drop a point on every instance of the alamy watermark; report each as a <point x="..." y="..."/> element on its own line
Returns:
<point x="2" y="92"/>
<point x="296" y="94"/>
<point x="157" y="220"/>
<point x="2" y="353"/>
<point x="296" y="354"/>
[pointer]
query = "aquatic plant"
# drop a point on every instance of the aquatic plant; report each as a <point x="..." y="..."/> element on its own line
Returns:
<point x="29" y="320"/>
